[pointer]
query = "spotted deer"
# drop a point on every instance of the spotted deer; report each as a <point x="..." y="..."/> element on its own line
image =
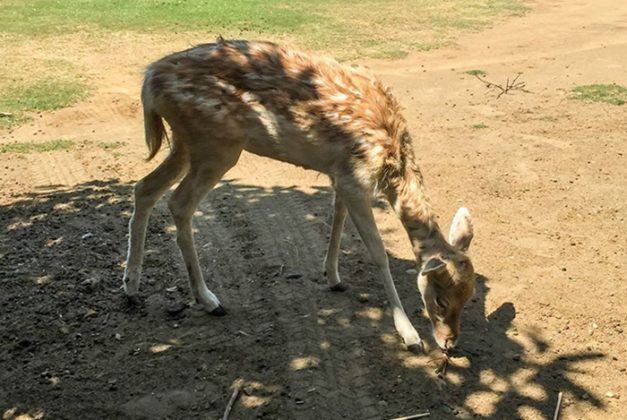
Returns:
<point x="228" y="96"/>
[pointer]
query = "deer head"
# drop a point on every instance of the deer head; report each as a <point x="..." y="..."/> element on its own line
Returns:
<point x="447" y="280"/>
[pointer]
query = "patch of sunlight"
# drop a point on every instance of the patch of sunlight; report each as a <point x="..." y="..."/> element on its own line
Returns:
<point x="160" y="348"/>
<point x="43" y="280"/>
<point x="253" y="401"/>
<point x="19" y="225"/>
<point x="526" y="412"/>
<point x="63" y="206"/>
<point x="12" y="413"/>
<point x="523" y="379"/>
<point x="306" y="362"/>
<point x="374" y="314"/>
<point x="411" y="361"/>
<point x="54" y="242"/>
<point x="327" y="312"/>
<point x="388" y="338"/>
<point x="258" y="386"/>
<point x="454" y="378"/>
<point x="491" y="380"/>
<point x="483" y="403"/>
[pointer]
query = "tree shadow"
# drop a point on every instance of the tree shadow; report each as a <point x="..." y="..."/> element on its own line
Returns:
<point x="74" y="348"/>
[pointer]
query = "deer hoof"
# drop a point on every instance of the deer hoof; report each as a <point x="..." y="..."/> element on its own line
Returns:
<point x="340" y="287"/>
<point x="219" y="311"/>
<point x="416" y="348"/>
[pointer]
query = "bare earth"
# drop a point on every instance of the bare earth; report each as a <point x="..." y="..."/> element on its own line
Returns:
<point x="545" y="181"/>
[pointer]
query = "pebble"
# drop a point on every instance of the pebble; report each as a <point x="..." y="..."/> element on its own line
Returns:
<point x="610" y="394"/>
<point x="363" y="297"/>
<point x="412" y="271"/>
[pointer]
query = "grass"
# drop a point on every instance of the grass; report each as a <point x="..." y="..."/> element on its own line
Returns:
<point x="345" y="28"/>
<point x="612" y="94"/>
<point x="476" y="72"/>
<point x="46" y="94"/>
<point x="479" y="126"/>
<point x="29" y="147"/>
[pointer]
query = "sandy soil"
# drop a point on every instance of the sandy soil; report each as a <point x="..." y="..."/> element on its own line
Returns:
<point x="545" y="181"/>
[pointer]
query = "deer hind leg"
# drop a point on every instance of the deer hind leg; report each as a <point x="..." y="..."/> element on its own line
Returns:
<point x="201" y="179"/>
<point x="147" y="192"/>
<point x="333" y="251"/>
<point x="357" y="200"/>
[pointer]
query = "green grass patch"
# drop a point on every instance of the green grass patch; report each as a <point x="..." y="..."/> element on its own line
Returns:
<point x="476" y="72"/>
<point x="30" y="147"/>
<point x="611" y="94"/>
<point x="479" y="126"/>
<point x="43" y="95"/>
<point x="345" y="28"/>
<point x="46" y="94"/>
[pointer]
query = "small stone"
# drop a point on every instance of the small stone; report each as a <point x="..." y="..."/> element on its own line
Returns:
<point x="293" y="276"/>
<point x="411" y="271"/>
<point x="585" y="397"/>
<point x="363" y="297"/>
<point x="383" y="403"/>
<point x="88" y="235"/>
<point x="610" y="394"/>
<point x="118" y="336"/>
<point x="516" y="357"/>
<point x="90" y="313"/>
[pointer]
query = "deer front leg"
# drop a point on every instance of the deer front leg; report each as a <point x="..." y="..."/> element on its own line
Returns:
<point x="361" y="213"/>
<point x="333" y="251"/>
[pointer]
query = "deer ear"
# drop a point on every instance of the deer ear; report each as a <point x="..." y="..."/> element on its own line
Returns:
<point x="461" y="232"/>
<point x="434" y="264"/>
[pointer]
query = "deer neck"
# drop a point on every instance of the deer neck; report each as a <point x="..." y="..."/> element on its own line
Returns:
<point x="406" y="194"/>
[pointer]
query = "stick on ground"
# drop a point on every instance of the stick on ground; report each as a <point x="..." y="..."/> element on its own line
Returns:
<point x="414" y="416"/>
<point x="229" y="406"/>
<point x="557" y="407"/>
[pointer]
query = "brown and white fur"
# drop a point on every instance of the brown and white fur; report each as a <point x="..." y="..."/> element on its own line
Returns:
<point x="229" y="96"/>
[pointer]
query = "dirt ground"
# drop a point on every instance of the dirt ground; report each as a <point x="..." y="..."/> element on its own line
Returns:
<point x="545" y="181"/>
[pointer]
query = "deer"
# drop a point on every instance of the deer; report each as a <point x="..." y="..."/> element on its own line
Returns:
<point x="224" y="97"/>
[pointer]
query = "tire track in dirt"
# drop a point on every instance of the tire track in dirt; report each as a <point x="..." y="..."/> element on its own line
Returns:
<point x="267" y="235"/>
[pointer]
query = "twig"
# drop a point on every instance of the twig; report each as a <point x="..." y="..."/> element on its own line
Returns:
<point x="441" y="370"/>
<point x="509" y="86"/>
<point x="414" y="416"/>
<point x="557" y="407"/>
<point x="229" y="406"/>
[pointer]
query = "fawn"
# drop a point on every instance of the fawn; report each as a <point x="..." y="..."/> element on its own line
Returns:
<point x="228" y="96"/>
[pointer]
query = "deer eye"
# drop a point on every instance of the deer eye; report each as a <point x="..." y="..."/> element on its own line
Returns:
<point x="441" y="302"/>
